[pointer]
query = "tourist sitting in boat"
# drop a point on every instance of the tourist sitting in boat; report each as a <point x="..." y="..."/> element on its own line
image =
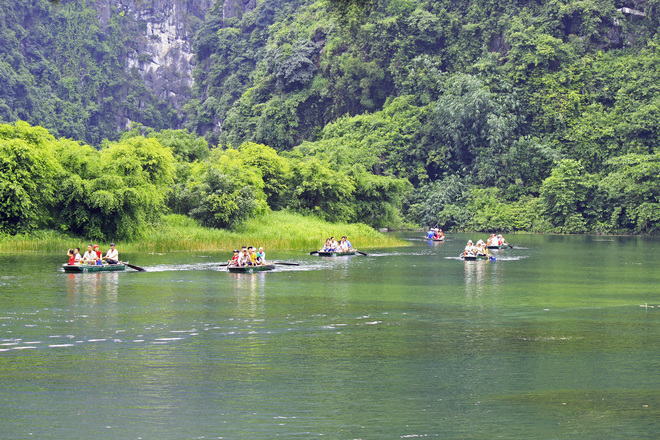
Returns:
<point x="344" y="245"/>
<point x="431" y="234"/>
<point x="438" y="235"/>
<point x="234" y="259"/>
<point x="112" y="256"/>
<point x="492" y="240"/>
<point x="481" y="249"/>
<point x="470" y="249"/>
<point x="261" y="256"/>
<point x="331" y="245"/>
<point x="72" y="257"/>
<point x="502" y="241"/>
<point x="244" y="258"/>
<point x="99" y="255"/>
<point x="253" y="255"/>
<point x="90" y="256"/>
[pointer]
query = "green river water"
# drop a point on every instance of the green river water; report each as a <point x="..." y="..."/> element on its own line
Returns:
<point x="557" y="339"/>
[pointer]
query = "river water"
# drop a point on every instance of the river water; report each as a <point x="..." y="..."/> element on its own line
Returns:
<point x="557" y="338"/>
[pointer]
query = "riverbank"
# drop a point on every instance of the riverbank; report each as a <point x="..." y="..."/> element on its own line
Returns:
<point x="274" y="230"/>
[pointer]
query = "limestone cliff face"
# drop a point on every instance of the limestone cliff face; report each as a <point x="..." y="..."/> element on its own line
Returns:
<point x="232" y="8"/>
<point x="162" y="53"/>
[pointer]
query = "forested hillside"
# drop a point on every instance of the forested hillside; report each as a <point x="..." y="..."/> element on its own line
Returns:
<point x="540" y="116"/>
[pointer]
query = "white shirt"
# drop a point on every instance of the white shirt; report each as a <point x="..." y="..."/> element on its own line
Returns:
<point x="90" y="256"/>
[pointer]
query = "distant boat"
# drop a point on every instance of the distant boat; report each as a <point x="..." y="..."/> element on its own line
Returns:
<point x="335" y="254"/>
<point x="80" y="268"/>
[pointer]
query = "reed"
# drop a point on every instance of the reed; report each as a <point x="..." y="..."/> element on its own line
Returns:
<point x="274" y="230"/>
<point x="42" y="240"/>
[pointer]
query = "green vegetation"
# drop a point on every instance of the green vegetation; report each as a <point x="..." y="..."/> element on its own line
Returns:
<point x="278" y="230"/>
<point x="536" y="116"/>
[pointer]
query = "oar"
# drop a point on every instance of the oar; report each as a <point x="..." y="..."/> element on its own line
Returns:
<point x="315" y="252"/>
<point x="361" y="253"/>
<point x="286" y="264"/>
<point x="223" y="264"/>
<point x="133" y="266"/>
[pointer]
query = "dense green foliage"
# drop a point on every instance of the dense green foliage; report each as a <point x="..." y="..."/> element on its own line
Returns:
<point x="117" y="192"/>
<point x="61" y="69"/>
<point x="541" y="116"/>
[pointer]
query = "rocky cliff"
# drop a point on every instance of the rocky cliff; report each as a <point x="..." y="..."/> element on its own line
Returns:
<point x="163" y="52"/>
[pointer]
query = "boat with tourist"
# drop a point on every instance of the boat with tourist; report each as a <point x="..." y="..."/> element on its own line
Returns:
<point x="82" y="268"/>
<point x="332" y="248"/>
<point x="250" y="269"/>
<point x="334" y="253"/>
<point x="435" y="234"/>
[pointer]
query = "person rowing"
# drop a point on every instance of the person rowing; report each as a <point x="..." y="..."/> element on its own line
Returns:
<point x="502" y="241"/>
<point x="112" y="256"/>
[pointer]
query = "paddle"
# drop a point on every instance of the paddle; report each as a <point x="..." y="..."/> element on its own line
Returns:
<point x="133" y="266"/>
<point x="315" y="252"/>
<point x="361" y="253"/>
<point x="223" y="264"/>
<point x="286" y="264"/>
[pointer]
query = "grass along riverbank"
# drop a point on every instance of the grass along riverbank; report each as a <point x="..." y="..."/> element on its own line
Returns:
<point x="275" y="230"/>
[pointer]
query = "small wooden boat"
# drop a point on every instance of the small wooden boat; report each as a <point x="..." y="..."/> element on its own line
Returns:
<point x="435" y="239"/>
<point x="472" y="257"/>
<point x="80" y="268"/>
<point x="335" y="254"/>
<point x="250" y="269"/>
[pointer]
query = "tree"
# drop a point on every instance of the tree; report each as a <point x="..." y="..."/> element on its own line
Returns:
<point x="275" y="171"/>
<point x="633" y="192"/>
<point x="29" y="176"/>
<point x="568" y="198"/>
<point x="474" y="128"/>
<point x="442" y="203"/>
<point x="222" y="192"/>
<point x="318" y="190"/>
<point x="117" y="192"/>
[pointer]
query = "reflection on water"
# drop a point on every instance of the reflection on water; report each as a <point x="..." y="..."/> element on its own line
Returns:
<point x="547" y="341"/>
<point x="91" y="285"/>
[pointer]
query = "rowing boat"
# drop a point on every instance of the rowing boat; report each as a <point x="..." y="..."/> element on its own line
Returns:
<point x="497" y="246"/>
<point x="250" y="269"/>
<point x="335" y="254"/>
<point x="80" y="268"/>
<point x="435" y="239"/>
<point x="472" y="257"/>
